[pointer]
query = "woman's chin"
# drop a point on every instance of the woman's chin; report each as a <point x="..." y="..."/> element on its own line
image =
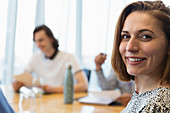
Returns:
<point x="132" y="72"/>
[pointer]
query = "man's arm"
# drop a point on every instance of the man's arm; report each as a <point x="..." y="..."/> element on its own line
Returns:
<point x="105" y="84"/>
<point x="109" y="83"/>
<point x="81" y="86"/>
<point x="82" y="82"/>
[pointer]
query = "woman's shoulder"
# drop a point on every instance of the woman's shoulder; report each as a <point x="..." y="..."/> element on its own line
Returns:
<point x="160" y="96"/>
<point x="163" y="95"/>
<point x="154" y="108"/>
<point x="159" y="101"/>
<point x="154" y="101"/>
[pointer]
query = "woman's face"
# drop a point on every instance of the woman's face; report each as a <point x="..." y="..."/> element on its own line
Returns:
<point x="144" y="46"/>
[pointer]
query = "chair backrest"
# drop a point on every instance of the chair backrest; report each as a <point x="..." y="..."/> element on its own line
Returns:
<point x="88" y="73"/>
<point x="4" y="106"/>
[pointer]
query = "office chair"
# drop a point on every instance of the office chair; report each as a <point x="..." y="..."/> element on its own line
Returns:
<point x="88" y="73"/>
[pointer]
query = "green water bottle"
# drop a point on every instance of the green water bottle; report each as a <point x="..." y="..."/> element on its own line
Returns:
<point x="68" y="85"/>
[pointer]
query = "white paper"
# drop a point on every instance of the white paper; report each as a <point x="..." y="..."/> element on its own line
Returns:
<point x="26" y="78"/>
<point x="103" y="97"/>
<point x="95" y="100"/>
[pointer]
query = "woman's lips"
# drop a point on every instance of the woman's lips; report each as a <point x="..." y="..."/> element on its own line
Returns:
<point x="135" y="60"/>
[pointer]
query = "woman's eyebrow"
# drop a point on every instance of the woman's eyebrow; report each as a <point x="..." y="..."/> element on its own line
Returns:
<point x="124" y="32"/>
<point x="146" y="30"/>
<point x="142" y="30"/>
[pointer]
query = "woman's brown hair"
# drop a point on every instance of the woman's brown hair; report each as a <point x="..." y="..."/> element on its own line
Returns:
<point x="159" y="11"/>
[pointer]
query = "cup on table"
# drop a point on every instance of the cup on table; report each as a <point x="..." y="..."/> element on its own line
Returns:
<point x="27" y="102"/>
<point x="37" y="83"/>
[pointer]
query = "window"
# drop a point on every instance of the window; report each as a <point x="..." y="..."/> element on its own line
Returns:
<point x="3" y="21"/>
<point x="24" y="34"/>
<point x="99" y="19"/>
<point x="60" y="17"/>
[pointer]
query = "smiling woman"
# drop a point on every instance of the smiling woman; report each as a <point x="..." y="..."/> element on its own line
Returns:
<point x="142" y="52"/>
<point x="143" y="43"/>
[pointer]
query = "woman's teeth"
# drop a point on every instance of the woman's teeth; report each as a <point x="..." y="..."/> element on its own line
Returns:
<point x="135" y="59"/>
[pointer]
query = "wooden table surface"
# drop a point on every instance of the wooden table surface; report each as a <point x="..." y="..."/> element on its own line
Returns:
<point x="54" y="103"/>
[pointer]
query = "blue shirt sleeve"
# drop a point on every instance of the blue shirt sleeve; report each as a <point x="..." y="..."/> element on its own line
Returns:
<point x="4" y="106"/>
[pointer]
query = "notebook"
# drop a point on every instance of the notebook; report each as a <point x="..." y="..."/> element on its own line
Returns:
<point x="102" y="98"/>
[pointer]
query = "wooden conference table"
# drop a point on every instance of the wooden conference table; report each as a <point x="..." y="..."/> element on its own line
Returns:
<point x="54" y="103"/>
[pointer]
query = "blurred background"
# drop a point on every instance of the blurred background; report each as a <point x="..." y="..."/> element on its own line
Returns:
<point x="83" y="27"/>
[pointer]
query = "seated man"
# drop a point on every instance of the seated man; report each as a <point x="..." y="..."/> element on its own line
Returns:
<point x="4" y="106"/>
<point x="50" y="64"/>
<point x="112" y="81"/>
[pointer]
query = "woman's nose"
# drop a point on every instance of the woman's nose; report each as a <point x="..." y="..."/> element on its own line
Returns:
<point x="132" y="45"/>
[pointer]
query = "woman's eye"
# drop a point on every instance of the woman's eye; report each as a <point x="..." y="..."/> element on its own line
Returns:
<point x="146" y="37"/>
<point x="125" y="37"/>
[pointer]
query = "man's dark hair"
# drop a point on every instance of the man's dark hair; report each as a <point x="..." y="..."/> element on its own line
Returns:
<point x="49" y="33"/>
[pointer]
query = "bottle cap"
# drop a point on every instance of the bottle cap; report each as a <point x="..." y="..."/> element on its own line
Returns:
<point x="69" y="65"/>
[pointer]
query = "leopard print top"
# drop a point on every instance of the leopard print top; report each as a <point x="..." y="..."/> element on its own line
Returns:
<point x="154" y="101"/>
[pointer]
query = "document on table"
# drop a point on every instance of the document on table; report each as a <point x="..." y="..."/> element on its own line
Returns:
<point x="103" y="97"/>
<point x="26" y="78"/>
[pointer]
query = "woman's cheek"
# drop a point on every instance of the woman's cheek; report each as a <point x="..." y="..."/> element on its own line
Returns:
<point x="122" y="48"/>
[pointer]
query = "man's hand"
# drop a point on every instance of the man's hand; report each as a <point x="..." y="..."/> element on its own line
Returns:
<point x="99" y="60"/>
<point x="17" y="85"/>
<point x="48" y="89"/>
<point x="124" y="99"/>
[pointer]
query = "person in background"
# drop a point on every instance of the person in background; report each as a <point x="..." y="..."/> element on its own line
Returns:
<point x="112" y="82"/>
<point x="141" y="52"/>
<point x="4" y="106"/>
<point x="50" y="64"/>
